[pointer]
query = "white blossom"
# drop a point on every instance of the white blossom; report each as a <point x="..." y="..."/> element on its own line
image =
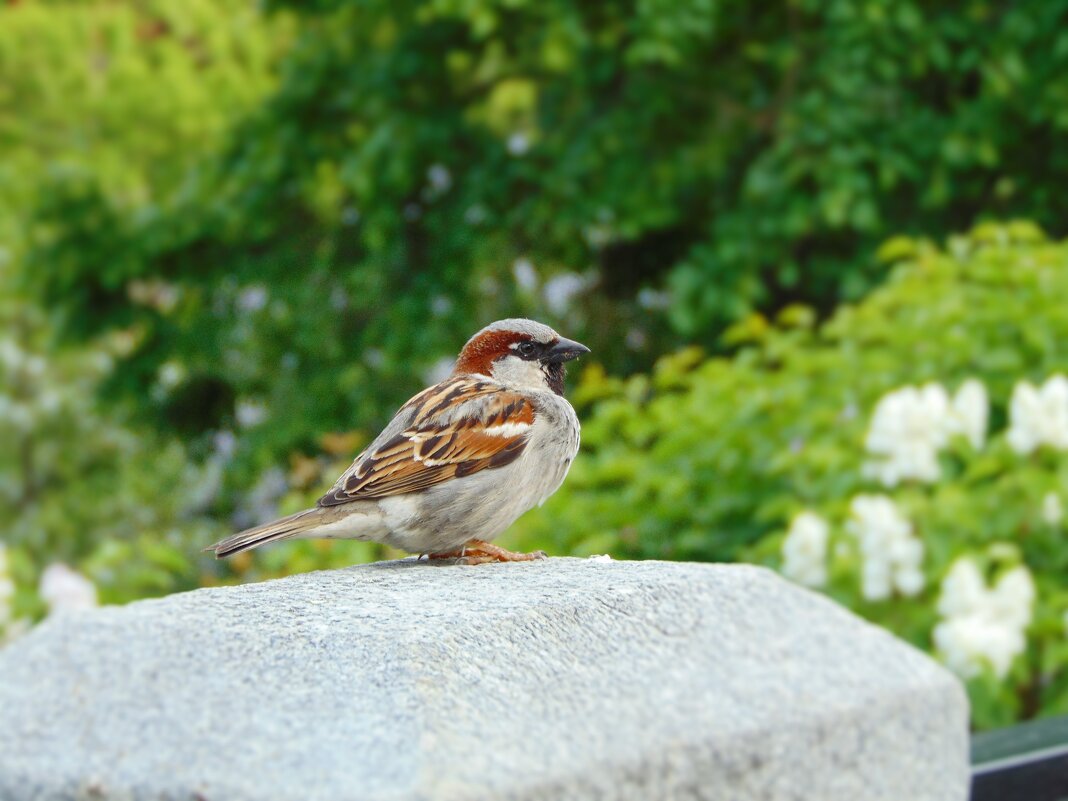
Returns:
<point x="526" y="277"/>
<point x="260" y="503"/>
<point x="224" y="443"/>
<point x="892" y="558"/>
<point x="969" y="412"/>
<point x="475" y="215"/>
<point x="49" y="400"/>
<point x="439" y="370"/>
<point x="249" y="413"/>
<point x="374" y="358"/>
<point x="518" y="143"/>
<point x="439" y="178"/>
<point x="64" y="589"/>
<point x="983" y="625"/>
<point x="907" y="430"/>
<point x="560" y="290"/>
<point x="912" y="424"/>
<point x="205" y="483"/>
<point x="170" y="374"/>
<point x="17" y="414"/>
<point x="252" y="298"/>
<point x="654" y="300"/>
<point x="804" y="550"/>
<point x="440" y="305"/>
<point x="17" y="360"/>
<point x="1039" y="415"/>
<point x="11" y="355"/>
<point x="1052" y="509"/>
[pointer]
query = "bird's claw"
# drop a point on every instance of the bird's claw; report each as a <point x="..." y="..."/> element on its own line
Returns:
<point x="478" y="552"/>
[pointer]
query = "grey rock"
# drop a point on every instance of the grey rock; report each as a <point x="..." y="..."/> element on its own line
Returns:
<point x="562" y="679"/>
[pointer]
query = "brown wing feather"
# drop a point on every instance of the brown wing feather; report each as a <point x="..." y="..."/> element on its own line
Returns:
<point x="440" y="444"/>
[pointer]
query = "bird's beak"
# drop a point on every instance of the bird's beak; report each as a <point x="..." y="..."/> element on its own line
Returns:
<point x="565" y="350"/>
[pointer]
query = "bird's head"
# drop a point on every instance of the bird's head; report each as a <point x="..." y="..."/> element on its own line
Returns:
<point x="521" y="354"/>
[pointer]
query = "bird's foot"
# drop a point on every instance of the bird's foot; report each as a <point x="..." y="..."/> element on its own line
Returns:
<point x="478" y="552"/>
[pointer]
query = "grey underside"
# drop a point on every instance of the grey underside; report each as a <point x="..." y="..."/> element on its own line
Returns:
<point x="564" y="679"/>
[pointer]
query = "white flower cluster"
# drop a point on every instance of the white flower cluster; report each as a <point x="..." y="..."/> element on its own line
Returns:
<point x="64" y="589"/>
<point x="983" y="625"/>
<point x="892" y="557"/>
<point x="1039" y="415"/>
<point x="804" y="550"/>
<point x="911" y="425"/>
<point x="561" y="290"/>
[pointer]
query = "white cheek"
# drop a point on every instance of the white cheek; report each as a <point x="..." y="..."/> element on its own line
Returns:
<point x="516" y="372"/>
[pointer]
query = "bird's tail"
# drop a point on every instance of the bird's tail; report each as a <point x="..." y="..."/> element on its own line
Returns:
<point x="281" y="529"/>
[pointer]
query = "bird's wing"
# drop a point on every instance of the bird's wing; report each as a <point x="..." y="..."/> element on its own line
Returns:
<point x="456" y="428"/>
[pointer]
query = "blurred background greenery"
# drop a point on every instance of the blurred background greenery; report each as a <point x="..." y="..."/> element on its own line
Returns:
<point x="235" y="236"/>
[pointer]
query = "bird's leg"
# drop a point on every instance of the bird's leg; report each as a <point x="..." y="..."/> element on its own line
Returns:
<point x="478" y="552"/>
<point x="487" y="552"/>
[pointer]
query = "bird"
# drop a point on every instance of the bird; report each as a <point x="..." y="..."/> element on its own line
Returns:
<point x="460" y="461"/>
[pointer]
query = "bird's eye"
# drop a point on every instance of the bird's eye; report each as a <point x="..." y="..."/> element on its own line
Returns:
<point x="526" y="349"/>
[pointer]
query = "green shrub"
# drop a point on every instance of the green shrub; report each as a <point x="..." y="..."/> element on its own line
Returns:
<point x="740" y="156"/>
<point x="80" y="485"/>
<point x="125" y="97"/>
<point x="714" y="459"/>
<point x="117" y="104"/>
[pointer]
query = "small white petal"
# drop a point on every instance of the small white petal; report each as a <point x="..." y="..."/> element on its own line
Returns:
<point x="65" y="589"/>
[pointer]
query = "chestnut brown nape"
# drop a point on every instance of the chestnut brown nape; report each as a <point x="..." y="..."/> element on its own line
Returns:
<point x="480" y="352"/>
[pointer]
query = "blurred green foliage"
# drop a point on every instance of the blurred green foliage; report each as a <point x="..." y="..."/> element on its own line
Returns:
<point x="740" y="156"/>
<point x="120" y="99"/>
<point x="119" y="102"/>
<point x="233" y="240"/>
<point x="78" y="485"/>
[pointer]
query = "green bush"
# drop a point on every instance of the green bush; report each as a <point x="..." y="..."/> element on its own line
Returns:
<point x="125" y="97"/>
<point x="80" y="485"/>
<point x="118" y="102"/>
<point x="714" y="459"/>
<point x="367" y="215"/>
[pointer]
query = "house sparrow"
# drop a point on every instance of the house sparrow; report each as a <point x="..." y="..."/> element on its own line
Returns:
<point x="460" y="461"/>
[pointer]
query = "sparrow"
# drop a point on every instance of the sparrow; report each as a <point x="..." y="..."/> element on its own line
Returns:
<point x="460" y="461"/>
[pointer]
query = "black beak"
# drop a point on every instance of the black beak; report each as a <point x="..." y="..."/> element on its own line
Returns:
<point x="564" y="351"/>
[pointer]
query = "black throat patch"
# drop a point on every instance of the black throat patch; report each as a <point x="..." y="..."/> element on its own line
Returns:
<point x="554" y="377"/>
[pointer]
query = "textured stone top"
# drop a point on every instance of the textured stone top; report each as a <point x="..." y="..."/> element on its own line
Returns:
<point x="562" y="679"/>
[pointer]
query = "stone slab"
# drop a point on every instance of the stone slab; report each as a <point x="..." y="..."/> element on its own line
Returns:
<point x="562" y="679"/>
